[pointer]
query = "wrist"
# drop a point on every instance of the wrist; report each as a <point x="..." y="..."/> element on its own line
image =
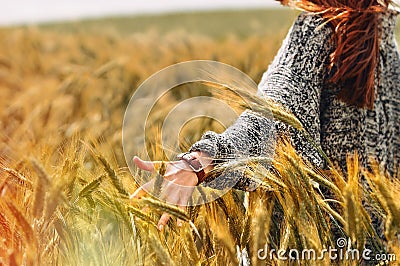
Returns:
<point x="198" y="162"/>
<point x="205" y="160"/>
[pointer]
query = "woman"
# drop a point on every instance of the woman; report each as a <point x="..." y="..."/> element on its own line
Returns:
<point x="338" y="71"/>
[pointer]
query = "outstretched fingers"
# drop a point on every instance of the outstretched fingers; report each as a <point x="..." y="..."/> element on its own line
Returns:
<point x="176" y="189"/>
<point x="165" y="217"/>
<point x="144" y="165"/>
<point x="163" y="221"/>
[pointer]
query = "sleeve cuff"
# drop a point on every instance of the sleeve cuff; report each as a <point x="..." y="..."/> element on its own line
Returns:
<point x="208" y="144"/>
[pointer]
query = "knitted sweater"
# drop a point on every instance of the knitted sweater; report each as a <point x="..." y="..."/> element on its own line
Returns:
<point x="297" y="79"/>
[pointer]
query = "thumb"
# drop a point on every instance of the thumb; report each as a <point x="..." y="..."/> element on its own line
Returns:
<point x="144" y="165"/>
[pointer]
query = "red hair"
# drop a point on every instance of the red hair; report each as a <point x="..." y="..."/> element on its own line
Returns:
<point x="357" y="28"/>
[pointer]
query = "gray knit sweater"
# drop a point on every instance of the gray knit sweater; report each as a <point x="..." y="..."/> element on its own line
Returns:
<point x="297" y="79"/>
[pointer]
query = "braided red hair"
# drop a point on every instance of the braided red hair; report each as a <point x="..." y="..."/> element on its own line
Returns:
<point x="357" y="39"/>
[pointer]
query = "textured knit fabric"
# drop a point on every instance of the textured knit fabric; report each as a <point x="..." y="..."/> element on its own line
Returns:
<point x="297" y="79"/>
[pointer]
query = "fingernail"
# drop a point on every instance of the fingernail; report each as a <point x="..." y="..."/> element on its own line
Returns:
<point x="160" y="227"/>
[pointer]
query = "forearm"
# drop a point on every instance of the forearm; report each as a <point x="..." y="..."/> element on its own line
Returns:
<point x="251" y="135"/>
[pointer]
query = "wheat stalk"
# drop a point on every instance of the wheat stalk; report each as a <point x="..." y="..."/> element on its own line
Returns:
<point x="5" y="225"/>
<point x="246" y="232"/>
<point x="91" y="186"/>
<point x="143" y="216"/>
<point x="164" y="207"/>
<point x="18" y="178"/>
<point x="159" y="179"/>
<point x="224" y="238"/>
<point x="23" y="223"/>
<point x="160" y="251"/>
<point x="247" y="100"/>
<point x="52" y="200"/>
<point x="40" y="171"/>
<point x="42" y="181"/>
<point x="189" y="246"/>
<point x="392" y="208"/>
<point x="113" y="176"/>
<point x="72" y="173"/>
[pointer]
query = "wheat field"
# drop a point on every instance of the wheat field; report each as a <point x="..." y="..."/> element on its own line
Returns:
<point x="64" y="181"/>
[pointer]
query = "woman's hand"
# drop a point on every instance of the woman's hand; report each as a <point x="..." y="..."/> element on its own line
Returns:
<point x="180" y="181"/>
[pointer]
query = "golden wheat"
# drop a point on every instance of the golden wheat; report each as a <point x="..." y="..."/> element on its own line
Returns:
<point x="18" y="178"/>
<point x="91" y="186"/>
<point x="75" y="89"/>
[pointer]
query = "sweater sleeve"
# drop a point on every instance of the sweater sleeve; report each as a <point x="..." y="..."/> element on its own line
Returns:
<point x="294" y="79"/>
